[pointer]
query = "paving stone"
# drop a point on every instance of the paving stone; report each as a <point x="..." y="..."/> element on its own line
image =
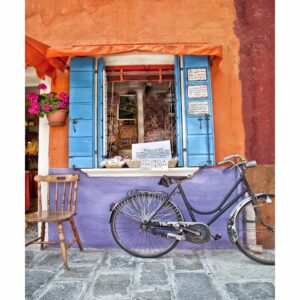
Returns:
<point x="230" y="265"/>
<point x="51" y="260"/>
<point x="251" y="290"/>
<point x="77" y="273"/>
<point x="189" y="262"/>
<point x="64" y="291"/>
<point x="105" y="261"/>
<point x="153" y="273"/>
<point x="195" y="286"/>
<point x="157" y="294"/>
<point x="107" y="275"/>
<point x="31" y="256"/>
<point x="35" y="279"/>
<point x="111" y="285"/>
<point x="87" y="257"/>
<point x="121" y="260"/>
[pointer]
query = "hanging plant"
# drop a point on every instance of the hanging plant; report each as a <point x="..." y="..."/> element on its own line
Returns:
<point x="49" y="104"/>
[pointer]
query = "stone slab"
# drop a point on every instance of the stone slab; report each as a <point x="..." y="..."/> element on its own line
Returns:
<point x="153" y="274"/>
<point x="195" y="286"/>
<point x="64" y="291"/>
<point x="87" y="257"/>
<point x="36" y="279"/>
<point x="189" y="262"/>
<point x="32" y="256"/>
<point x="52" y="260"/>
<point x="77" y="273"/>
<point x="121" y="262"/>
<point x="157" y="294"/>
<point x="251" y="290"/>
<point x="116" y="285"/>
<point x="231" y="265"/>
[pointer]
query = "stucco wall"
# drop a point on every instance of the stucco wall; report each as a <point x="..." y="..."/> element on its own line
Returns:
<point x="95" y="195"/>
<point x="255" y="27"/>
<point x="132" y="21"/>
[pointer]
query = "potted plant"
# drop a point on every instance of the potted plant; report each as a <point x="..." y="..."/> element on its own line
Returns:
<point x="54" y="106"/>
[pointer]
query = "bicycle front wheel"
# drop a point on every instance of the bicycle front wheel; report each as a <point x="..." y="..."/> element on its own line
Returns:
<point x="255" y="228"/>
<point x="130" y="230"/>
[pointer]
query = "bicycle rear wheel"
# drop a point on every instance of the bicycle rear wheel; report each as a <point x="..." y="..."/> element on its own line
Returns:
<point x="255" y="228"/>
<point x="130" y="230"/>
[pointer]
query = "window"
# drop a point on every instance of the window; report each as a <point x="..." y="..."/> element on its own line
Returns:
<point x="181" y="110"/>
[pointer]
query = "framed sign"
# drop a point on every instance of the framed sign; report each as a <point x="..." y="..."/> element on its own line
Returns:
<point x="198" y="108"/>
<point x="197" y="91"/>
<point x="198" y="74"/>
<point x="153" y="150"/>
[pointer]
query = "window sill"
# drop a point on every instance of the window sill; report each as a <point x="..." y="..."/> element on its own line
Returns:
<point x="128" y="172"/>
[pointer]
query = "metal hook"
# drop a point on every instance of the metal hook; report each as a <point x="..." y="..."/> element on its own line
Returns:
<point x="200" y="119"/>
<point x="74" y="122"/>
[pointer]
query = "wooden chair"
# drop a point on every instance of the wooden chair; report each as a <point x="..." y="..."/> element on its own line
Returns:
<point x="61" y="207"/>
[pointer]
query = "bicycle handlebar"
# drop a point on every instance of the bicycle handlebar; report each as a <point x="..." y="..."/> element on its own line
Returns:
<point x="229" y="157"/>
<point x="225" y="162"/>
<point x="243" y="161"/>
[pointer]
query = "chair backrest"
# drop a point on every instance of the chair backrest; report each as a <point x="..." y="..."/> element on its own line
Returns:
<point x="62" y="192"/>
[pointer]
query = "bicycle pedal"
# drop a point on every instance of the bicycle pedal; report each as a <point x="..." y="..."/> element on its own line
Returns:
<point x="217" y="236"/>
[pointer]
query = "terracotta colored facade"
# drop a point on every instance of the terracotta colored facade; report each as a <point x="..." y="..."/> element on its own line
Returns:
<point x="133" y="21"/>
<point x="243" y="84"/>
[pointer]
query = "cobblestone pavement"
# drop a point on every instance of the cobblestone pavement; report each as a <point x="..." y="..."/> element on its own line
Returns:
<point x="114" y="274"/>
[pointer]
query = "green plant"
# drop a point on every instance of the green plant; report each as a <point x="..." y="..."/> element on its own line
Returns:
<point x="46" y="103"/>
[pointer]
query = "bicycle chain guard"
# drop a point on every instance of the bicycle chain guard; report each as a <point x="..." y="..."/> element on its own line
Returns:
<point x="204" y="236"/>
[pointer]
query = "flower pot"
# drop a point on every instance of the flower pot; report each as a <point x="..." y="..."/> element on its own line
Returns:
<point x="57" y="118"/>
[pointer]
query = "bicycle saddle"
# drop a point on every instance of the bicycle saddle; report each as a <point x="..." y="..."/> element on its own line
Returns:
<point x="167" y="180"/>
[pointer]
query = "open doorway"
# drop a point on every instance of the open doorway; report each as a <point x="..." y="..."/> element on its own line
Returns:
<point x="31" y="155"/>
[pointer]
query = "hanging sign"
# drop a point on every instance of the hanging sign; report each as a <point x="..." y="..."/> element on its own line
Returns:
<point x="198" y="108"/>
<point x="153" y="150"/>
<point x="198" y="91"/>
<point x="197" y="74"/>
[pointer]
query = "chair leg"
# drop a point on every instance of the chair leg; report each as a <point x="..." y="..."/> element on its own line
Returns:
<point x="43" y="235"/>
<point x="76" y="234"/>
<point x="62" y="245"/>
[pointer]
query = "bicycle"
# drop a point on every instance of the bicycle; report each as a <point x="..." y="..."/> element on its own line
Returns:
<point x="148" y="224"/>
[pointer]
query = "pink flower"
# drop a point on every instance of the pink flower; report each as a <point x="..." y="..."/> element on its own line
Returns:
<point x="50" y="95"/>
<point x="64" y="97"/>
<point x="32" y="97"/>
<point x="34" y="109"/>
<point x="42" y="86"/>
<point x="61" y="105"/>
<point x="47" y="107"/>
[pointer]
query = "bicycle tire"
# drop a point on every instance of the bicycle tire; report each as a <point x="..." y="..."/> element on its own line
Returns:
<point x="255" y="229"/>
<point x="126" y="224"/>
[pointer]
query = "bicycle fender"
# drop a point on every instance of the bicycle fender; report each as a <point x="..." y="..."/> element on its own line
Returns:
<point x="112" y="211"/>
<point x="231" y="226"/>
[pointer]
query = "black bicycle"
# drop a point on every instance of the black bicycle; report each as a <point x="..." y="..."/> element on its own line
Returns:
<point x="148" y="224"/>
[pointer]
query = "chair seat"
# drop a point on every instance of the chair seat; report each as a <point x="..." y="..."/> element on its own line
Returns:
<point x="49" y="216"/>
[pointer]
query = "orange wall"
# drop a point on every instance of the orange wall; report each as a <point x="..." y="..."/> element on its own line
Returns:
<point x="75" y="22"/>
<point x="59" y="143"/>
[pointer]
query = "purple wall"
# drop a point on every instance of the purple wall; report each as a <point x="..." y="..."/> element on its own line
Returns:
<point x="95" y="195"/>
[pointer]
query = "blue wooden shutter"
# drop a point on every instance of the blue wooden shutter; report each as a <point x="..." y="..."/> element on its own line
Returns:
<point x="199" y="128"/>
<point x="82" y="123"/>
<point x="100" y="111"/>
<point x="178" y="112"/>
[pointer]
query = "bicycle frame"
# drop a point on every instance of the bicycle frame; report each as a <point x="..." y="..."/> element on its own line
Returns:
<point x="218" y="209"/>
